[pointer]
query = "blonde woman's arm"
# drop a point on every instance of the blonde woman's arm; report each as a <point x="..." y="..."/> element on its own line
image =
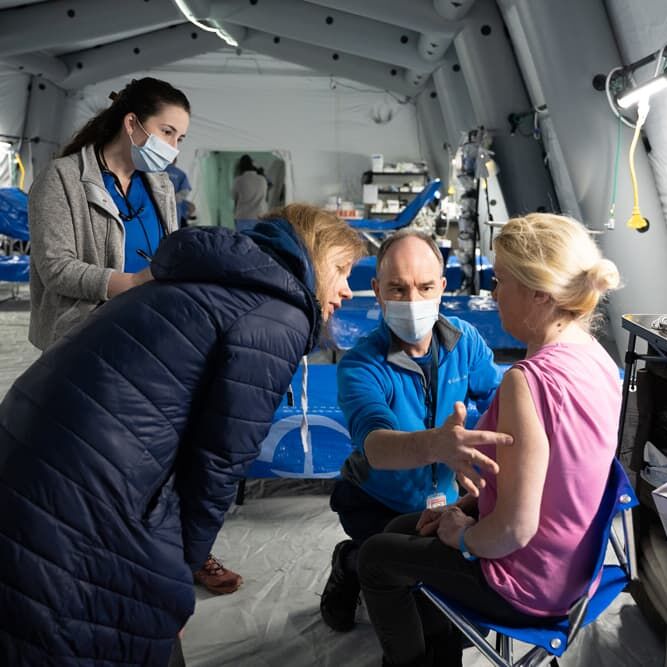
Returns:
<point x="520" y="482"/>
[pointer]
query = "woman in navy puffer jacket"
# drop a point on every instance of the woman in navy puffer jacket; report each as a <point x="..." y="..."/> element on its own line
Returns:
<point x="121" y="446"/>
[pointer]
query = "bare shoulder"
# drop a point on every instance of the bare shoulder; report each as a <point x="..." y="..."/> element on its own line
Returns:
<point x="517" y="406"/>
<point x="513" y="384"/>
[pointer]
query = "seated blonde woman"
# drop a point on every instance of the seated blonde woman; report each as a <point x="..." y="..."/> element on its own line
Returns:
<point x="523" y="550"/>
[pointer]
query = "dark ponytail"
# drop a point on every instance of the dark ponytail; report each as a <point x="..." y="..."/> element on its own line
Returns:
<point x="143" y="97"/>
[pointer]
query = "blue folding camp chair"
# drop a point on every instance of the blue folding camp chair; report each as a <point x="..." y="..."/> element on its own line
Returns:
<point x="550" y="642"/>
<point x="373" y="226"/>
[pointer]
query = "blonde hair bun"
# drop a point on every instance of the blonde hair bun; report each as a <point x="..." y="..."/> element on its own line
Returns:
<point x="603" y="276"/>
<point x="555" y="254"/>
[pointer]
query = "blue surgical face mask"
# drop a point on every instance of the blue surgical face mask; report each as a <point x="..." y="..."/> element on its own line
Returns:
<point x="154" y="155"/>
<point x="411" y="320"/>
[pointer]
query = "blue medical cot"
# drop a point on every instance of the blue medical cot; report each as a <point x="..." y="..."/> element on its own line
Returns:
<point x="282" y="453"/>
<point x="360" y="316"/>
<point x="430" y="192"/>
<point x="14" y="214"/>
<point x="14" y="268"/>
<point x="364" y="271"/>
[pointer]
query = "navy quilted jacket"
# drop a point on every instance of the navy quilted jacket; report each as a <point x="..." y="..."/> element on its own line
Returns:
<point x="121" y="447"/>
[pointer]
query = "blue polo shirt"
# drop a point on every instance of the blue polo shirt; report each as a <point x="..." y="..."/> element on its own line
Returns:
<point x="142" y="225"/>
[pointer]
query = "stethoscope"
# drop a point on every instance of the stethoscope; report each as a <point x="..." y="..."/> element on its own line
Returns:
<point x="133" y="213"/>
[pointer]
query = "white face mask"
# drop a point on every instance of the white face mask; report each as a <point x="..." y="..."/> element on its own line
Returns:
<point x="154" y="155"/>
<point x="411" y="320"/>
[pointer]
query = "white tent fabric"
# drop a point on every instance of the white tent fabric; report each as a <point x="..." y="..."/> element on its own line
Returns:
<point x="330" y="134"/>
<point x="13" y="95"/>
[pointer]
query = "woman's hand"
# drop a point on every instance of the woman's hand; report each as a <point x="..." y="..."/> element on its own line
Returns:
<point x="428" y="522"/>
<point x="452" y="523"/>
<point x="142" y="277"/>
<point x="121" y="282"/>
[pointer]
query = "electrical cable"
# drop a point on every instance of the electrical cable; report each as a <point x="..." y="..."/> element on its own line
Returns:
<point x="637" y="221"/>
<point x="334" y="82"/>
<point x="611" y="222"/>
<point x="612" y="104"/>
<point x="19" y="164"/>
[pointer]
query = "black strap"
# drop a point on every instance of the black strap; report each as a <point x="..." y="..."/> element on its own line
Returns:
<point x="158" y="213"/>
<point x="131" y="212"/>
<point x="432" y="406"/>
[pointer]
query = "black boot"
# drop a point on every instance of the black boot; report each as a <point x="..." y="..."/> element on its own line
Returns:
<point x="340" y="598"/>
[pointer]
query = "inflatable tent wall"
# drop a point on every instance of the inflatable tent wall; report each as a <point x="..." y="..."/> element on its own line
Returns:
<point x="323" y="84"/>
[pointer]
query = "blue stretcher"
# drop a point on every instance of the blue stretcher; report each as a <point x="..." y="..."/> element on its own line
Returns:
<point x="430" y="192"/>
<point x="360" y="316"/>
<point x="282" y="453"/>
<point x="14" y="214"/>
<point x="14" y="226"/>
<point x="364" y="271"/>
<point x="14" y="268"/>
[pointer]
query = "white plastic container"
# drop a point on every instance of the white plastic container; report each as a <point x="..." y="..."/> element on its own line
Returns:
<point x="370" y="194"/>
<point x="377" y="162"/>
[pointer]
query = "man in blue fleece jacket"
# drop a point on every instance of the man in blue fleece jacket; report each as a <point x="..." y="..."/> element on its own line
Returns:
<point x="401" y="390"/>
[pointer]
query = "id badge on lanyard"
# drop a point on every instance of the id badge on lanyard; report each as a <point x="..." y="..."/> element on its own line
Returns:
<point x="436" y="499"/>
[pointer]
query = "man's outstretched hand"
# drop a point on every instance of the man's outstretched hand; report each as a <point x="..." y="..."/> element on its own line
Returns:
<point x="456" y="447"/>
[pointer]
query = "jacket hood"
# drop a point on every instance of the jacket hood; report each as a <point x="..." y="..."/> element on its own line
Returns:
<point x="277" y="238"/>
<point x="269" y="259"/>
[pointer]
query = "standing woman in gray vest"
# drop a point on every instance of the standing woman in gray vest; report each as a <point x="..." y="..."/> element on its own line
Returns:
<point x="98" y="212"/>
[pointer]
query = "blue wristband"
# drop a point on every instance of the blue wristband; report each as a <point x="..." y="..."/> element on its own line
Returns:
<point x="463" y="549"/>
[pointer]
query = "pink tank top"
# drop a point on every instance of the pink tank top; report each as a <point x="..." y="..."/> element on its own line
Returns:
<point x="577" y="393"/>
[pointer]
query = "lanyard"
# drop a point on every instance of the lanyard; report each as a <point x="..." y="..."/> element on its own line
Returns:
<point x="432" y="400"/>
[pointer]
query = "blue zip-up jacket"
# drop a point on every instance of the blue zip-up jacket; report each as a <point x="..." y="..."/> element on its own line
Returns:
<point x="381" y="387"/>
<point x="121" y="446"/>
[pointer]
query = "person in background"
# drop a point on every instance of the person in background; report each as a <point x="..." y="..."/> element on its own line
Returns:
<point x="396" y="388"/>
<point x="182" y="189"/>
<point x="121" y="447"/>
<point x="249" y="191"/>
<point x="97" y="215"/>
<point x="523" y="551"/>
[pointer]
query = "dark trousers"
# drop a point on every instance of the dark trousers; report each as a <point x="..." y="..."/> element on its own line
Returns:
<point x="390" y="565"/>
<point x="360" y="515"/>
